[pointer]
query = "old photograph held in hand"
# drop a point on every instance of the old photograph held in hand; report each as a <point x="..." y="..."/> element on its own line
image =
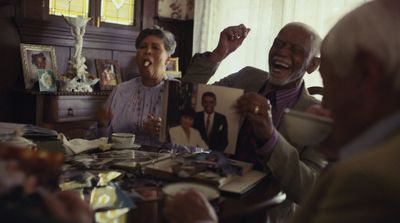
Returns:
<point x="199" y="115"/>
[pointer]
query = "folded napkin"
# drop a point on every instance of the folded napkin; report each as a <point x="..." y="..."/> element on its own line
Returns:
<point x="75" y="146"/>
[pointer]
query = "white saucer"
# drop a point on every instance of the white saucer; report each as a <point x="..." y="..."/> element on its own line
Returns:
<point x="174" y="188"/>
<point x="133" y="146"/>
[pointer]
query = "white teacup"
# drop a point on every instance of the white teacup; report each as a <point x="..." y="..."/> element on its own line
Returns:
<point x="123" y="140"/>
<point x="307" y="129"/>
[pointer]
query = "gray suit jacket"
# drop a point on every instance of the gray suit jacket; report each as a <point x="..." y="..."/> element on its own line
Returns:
<point x="296" y="167"/>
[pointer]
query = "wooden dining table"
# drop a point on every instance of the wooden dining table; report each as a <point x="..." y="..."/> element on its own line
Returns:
<point x="252" y="206"/>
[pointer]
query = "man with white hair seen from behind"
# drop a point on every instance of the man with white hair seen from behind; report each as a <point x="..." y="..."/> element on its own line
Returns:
<point x="361" y="73"/>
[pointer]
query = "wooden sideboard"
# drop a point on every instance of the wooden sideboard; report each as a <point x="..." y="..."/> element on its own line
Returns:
<point x="69" y="113"/>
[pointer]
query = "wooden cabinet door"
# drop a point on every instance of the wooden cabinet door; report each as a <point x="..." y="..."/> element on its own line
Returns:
<point x="72" y="108"/>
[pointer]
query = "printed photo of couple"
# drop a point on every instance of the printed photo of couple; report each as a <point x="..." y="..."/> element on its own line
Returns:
<point x="205" y="117"/>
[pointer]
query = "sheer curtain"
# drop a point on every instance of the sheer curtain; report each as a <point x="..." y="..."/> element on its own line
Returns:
<point x="265" y="18"/>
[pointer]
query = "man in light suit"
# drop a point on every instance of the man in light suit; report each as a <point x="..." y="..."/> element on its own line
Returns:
<point x="263" y="139"/>
<point x="361" y="75"/>
<point x="212" y="125"/>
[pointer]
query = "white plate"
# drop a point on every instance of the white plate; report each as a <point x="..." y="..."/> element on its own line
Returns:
<point x="174" y="188"/>
<point x="133" y="146"/>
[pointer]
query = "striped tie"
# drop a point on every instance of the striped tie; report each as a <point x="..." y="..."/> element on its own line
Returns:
<point x="208" y="121"/>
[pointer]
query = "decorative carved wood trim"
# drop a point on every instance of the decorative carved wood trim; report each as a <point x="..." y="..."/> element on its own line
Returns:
<point x="171" y="20"/>
<point x="149" y="11"/>
<point x="63" y="93"/>
<point x="6" y="3"/>
<point x="58" y="34"/>
<point x="183" y="31"/>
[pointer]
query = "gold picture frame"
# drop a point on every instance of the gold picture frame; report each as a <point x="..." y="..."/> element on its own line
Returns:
<point x="36" y="61"/>
<point x="109" y="73"/>
<point x="173" y="67"/>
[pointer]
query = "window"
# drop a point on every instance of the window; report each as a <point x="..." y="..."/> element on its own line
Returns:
<point x="265" y="18"/>
<point x="69" y="8"/>
<point x="120" y="12"/>
<point x="117" y="11"/>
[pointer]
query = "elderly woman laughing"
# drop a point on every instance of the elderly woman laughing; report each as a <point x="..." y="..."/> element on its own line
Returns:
<point x="135" y="106"/>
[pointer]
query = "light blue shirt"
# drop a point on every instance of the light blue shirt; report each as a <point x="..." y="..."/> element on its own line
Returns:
<point x="372" y="136"/>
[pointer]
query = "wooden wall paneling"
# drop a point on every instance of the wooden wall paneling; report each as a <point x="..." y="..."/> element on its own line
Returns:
<point x="10" y="62"/>
<point x="7" y="2"/>
<point x="98" y="43"/>
<point x="26" y="109"/>
<point x="92" y="54"/>
<point x="93" y="10"/>
<point x="34" y="9"/>
<point x="127" y="63"/>
<point x="33" y="25"/>
<point x="43" y="32"/>
<point x="149" y="12"/>
<point x="110" y="38"/>
<point x="139" y="15"/>
<point x="58" y="33"/>
<point x="63" y="54"/>
<point x="186" y="45"/>
<point x="7" y="9"/>
<point x="183" y="31"/>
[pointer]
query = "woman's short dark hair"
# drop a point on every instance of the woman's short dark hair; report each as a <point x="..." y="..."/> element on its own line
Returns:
<point x="165" y="35"/>
<point x="188" y="112"/>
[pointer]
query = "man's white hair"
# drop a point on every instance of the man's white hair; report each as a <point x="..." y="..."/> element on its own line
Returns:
<point x="315" y="39"/>
<point x="374" y="27"/>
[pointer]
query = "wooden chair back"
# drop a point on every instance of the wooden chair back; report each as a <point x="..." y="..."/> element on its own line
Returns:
<point x="316" y="90"/>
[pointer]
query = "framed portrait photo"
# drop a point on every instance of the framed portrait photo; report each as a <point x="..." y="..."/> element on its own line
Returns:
<point x="109" y="73"/>
<point x="39" y="65"/>
<point x="173" y="68"/>
<point x="173" y="64"/>
<point x="47" y="80"/>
